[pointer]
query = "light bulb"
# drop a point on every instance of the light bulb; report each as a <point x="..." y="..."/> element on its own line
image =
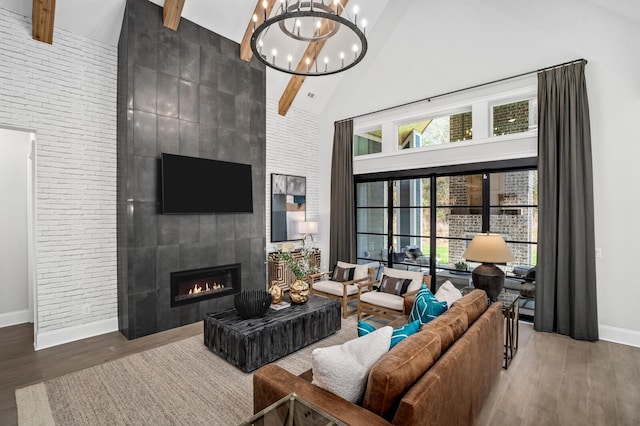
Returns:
<point x="341" y="55"/>
<point x="274" y="52"/>
<point x="289" y="58"/>
<point x="326" y="59"/>
<point x="355" y="47"/>
<point x="255" y="18"/>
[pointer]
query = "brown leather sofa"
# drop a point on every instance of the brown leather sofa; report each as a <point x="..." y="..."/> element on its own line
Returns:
<point x="438" y="376"/>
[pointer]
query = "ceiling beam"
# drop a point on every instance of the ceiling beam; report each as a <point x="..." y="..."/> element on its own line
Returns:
<point x="245" y="46"/>
<point x="43" y="13"/>
<point x="171" y="13"/>
<point x="295" y="83"/>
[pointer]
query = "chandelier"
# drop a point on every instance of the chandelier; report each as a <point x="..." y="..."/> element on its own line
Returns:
<point x="309" y="38"/>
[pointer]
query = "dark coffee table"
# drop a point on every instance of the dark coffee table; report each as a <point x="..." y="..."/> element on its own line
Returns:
<point x="251" y="343"/>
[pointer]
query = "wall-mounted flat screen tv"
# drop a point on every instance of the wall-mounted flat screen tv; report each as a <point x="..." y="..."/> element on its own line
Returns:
<point x="199" y="185"/>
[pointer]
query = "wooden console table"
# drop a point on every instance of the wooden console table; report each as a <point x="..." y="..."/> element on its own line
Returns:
<point x="251" y="343"/>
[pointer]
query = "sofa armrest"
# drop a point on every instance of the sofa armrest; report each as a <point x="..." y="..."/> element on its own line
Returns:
<point x="272" y="383"/>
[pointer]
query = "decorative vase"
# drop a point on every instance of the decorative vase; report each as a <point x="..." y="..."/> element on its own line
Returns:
<point x="299" y="292"/>
<point x="252" y="303"/>
<point x="276" y="292"/>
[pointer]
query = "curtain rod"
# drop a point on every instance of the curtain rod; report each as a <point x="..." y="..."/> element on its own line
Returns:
<point x="428" y="99"/>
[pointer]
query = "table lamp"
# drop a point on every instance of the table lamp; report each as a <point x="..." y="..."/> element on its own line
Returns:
<point x="307" y="228"/>
<point x="488" y="249"/>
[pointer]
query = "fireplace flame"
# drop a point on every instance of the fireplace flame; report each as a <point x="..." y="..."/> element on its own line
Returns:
<point x="198" y="288"/>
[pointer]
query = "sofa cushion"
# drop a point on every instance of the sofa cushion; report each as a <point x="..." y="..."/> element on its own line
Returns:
<point x="449" y="326"/>
<point x="416" y="277"/>
<point x="394" y="285"/>
<point x="361" y="271"/>
<point x="398" y="370"/>
<point x="343" y="369"/>
<point x="342" y="274"/>
<point x="448" y="293"/>
<point x="426" y="306"/>
<point x="334" y="287"/>
<point x="384" y="300"/>
<point x="474" y="303"/>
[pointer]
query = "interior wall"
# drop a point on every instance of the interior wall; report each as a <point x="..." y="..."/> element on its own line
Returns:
<point x="66" y="93"/>
<point x="292" y="149"/>
<point x="461" y="44"/>
<point x="14" y="304"/>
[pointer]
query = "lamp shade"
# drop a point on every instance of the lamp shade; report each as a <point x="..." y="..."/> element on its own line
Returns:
<point x="308" y="227"/>
<point x="488" y="248"/>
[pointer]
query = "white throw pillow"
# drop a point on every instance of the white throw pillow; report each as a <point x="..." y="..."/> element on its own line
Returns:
<point x="448" y="293"/>
<point x="344" y="369"/>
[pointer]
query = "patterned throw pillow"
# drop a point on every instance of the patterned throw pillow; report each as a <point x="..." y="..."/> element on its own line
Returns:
<point x="398" y="334"/>
<point x="342" y="274"/>
<point x="401" y="333"/>
<point x="426" y="307"/>
<point x="392" y="285"/>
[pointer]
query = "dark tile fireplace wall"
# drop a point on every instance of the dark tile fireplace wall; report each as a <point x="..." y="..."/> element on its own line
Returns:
<point x="183" y="92"/>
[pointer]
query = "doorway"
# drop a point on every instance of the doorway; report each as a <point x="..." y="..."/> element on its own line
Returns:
<point x="17" y="227"/>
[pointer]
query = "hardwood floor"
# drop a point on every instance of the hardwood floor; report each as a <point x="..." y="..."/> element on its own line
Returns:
<point x="553" y="380"/>
<point x="21" y="365"/>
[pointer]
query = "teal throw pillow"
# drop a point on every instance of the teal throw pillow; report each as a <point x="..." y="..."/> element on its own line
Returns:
<point x="365" y="328"/>
<point x="401" y="333"/>
<point x="426" y="307"/>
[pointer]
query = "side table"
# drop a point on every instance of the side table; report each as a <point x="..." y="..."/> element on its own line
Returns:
<point x="511" y="312"/>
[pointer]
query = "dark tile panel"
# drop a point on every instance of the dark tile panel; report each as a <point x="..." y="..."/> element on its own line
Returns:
<point x="189" y="138"/>
<point x="189" y="101"/>
<point x="208" y="106"/>
<point x="168" y="229"/>
<point x="145" y="171"/>
<point x="144" y="133"/>
<point x="145" y="46"/>
<point x="168" y="95"/>
<point x="226" y="144"/>
<point x="169" y="52"/>
<point x="146" y="314"/>
<point x="209" y="67"/>
<point x="208" y="141"/>
<point x="208" y="229"/>
<point x="141" y="264"/>
<point x="189" y="229"/>
<point x="168" y="135"/>
<point x="226" y="111"/>
<point x="189" y="61"/>
<point x="145" y="83"/>
<point x="144" y="224"/>
<point x="226" y="76"/>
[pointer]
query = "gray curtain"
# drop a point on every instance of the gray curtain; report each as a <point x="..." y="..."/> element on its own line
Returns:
<point x="342" y="241"/>
<point x="566" y="273"/>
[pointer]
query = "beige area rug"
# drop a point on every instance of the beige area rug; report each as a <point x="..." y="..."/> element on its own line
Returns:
<point x="182" y="383"/>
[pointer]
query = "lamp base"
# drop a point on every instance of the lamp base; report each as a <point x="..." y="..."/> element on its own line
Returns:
<point x="490" y="278"/>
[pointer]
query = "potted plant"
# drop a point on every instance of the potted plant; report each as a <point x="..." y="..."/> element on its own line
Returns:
<point x="301" y="266"/>
<point x="461" y="266"/>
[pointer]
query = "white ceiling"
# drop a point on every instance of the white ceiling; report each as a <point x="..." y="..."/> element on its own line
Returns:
<point x="101" y="20"/>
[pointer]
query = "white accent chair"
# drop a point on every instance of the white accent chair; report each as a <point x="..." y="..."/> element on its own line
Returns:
<point x="386" y="305"/>
<point x="343" y="291"/>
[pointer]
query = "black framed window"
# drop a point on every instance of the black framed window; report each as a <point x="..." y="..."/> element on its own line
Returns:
<point x="424" y="219"/>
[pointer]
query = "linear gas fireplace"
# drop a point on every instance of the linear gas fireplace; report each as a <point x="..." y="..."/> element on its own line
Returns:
<point x="196" y="285"/>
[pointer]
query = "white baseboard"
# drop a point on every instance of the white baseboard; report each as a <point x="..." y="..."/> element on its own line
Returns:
<point x="619" y="335"/>
<point x="13" y="318"/>
<point x="77" y="332"/>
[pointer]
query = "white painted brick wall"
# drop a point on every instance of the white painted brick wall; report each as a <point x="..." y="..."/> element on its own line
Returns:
<point x="293" y="149"/>
<point x="66" y="92"/>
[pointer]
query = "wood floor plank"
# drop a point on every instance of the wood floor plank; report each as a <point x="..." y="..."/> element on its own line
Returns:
<point x="553" y="380"/>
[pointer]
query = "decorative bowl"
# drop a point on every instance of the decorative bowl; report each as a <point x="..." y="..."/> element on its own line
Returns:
<point x="252" y="303"/>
